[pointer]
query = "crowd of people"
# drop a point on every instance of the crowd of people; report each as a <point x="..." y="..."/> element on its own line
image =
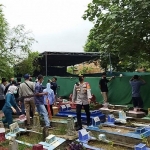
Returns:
<point x="32" y="96"/>
<point x="26" y="97"/>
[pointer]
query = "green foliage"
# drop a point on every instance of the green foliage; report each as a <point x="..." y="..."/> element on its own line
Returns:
<point x="15" y="45"/>
<point x="145" y="140"/>
<point x="85" y="70"/>
<point x="28" y="64"/>
<point x="121" y="28"/>
<point x="92" y="107"/>
<point x="71" y="69"/>
<point x="111" y="143"/>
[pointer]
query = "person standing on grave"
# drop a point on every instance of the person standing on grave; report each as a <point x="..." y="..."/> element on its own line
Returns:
<point x="39" y="100"/>
<point x="54" y="85"/>
<point x="82" y="97"/>
<point x="50" y="97"/>
<point x="10" y="105"/>
<point x="104" y="88"/>
<point x="136" y="82"/>
<point x="26" y="89"/>
<point x="2" y="95"/>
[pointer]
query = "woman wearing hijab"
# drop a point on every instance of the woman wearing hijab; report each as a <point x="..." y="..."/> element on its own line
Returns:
<point x="10" y="105"/>
<point x="50" y="97"/>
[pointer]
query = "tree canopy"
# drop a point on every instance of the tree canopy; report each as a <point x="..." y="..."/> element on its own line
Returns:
<point x="15" y="45"/>
<point x="28" y="64"/>
<point x="121" y="29"/>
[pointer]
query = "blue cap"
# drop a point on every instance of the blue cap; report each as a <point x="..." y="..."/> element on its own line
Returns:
<point x="26" y="76"/>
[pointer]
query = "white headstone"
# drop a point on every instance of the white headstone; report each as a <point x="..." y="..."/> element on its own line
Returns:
<point x="83" y="132"/>
<point x="14" y="127"/>
<point x="102" y="137"/>
<point x="96" y="119"/>
<point x="122" y="115"/>
<point x="51" y="138"/>
<point x="2" y="130"/>
<point x="63" y="106"/>
<point x="68" y="105"/>
<point x="13" y="145"/>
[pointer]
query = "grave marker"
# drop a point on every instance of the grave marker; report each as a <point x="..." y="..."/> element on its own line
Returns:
<point x="36" y="122"/>
<point x="140" y="130"/>
<point x="102" y="137"/>
<point x="63" y="108"/>
<point x="83" y="135"/>
<point x="96" y="121"/>
<point x="140" y="146"/>
<point x="14" y="128"/>
<point x="68" y="106"/>
<point x="111" y="118"/>
<point x="70" y="126"/>
<point x="51" y="138"/>
<point x="13" y="145"/>
<point x="122" y="115"/>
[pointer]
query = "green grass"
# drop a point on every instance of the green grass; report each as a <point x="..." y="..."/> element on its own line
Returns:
<point x="60" y="131"/>
<point x="24" y="147"/>
<point x="31" y="138"/>
<point x="5" y="144"/>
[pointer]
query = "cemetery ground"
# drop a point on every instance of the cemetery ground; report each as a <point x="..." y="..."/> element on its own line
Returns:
<point x="60" y="131"/>
<point x="5" y="145"/>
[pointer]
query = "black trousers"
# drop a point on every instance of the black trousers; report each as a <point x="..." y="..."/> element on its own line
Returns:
<point x="2" y="103"/>
<point x="51" y="107"/>
<point x="78" y="111"/>
<point x="137" y="102"/>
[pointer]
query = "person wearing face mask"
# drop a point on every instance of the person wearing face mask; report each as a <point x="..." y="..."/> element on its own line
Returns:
<point x="82" y="97"/>
<point x="10" y="105"/>
<point x="104" y="88"/>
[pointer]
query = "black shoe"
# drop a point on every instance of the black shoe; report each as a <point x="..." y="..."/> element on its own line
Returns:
<point x="28" y="127"/>
<point x="50" y="127"/>
<point x="78" y="128"/>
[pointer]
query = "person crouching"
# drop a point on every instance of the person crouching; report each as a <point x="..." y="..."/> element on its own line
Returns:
<point x="10" y="105"/>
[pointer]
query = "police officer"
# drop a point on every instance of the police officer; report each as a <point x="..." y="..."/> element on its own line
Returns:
<point x="82" y="97"/>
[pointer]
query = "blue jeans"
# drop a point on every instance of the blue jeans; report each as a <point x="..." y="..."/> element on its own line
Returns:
<point x="42" y="111"/>
<point x="8" y="117"/>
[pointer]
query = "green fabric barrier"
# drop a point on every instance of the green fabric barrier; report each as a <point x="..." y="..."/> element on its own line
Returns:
<point x="119" y="89"/>
<point x="118" y="74"/>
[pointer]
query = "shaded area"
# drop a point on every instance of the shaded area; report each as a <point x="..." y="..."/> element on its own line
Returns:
<point x="55" y="63"/>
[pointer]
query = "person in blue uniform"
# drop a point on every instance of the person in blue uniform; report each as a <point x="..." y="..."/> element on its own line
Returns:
<point x="10" y="105"/>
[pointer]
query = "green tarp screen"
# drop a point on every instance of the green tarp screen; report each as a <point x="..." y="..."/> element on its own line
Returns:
<point x="119" y="89"/>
